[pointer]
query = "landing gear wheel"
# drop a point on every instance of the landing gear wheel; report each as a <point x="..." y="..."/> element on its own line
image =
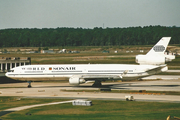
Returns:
<point x="97" y="84"/>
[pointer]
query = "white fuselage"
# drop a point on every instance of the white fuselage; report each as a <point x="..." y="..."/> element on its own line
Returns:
<point x="151" y="63"/>
<point x="86" y="71"/>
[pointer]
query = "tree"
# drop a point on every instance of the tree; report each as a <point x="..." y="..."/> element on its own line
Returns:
<point x="46" y="48"/>
<point x="86" y="37"/>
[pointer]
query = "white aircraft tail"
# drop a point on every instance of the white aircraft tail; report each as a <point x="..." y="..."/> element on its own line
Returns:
<point x="156" y="55"/>
<point x="160" y="47"/>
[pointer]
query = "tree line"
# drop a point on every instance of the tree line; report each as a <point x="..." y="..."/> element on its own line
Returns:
<point x="50" y="37"/>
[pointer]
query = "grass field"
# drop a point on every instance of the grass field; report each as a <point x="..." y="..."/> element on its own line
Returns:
<point x="90" y="54"/>
<point x="101" y="110"/>
<point x="85" y="58"/>
<point x="11" y="102"/>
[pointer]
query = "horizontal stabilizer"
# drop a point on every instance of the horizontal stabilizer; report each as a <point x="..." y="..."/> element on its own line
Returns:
<point x="161" y="68"/>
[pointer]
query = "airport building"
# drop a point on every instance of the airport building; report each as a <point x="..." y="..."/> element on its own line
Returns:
<point x="6" y="63"/>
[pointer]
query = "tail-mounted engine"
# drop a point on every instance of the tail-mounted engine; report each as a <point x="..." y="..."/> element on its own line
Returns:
<point x="169" y="58"/>
<point x="150" y="60"/>
<point x="153" y="60"/>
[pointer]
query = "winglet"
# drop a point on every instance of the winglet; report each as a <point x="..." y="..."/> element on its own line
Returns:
<point x="160" y="47"/>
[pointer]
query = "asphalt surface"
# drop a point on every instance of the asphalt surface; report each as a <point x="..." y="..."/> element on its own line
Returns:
<point x="162" y="77"/>
<point x="56" y="90"/>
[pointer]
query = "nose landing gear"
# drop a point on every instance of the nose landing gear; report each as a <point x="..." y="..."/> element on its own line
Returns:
<point x="29" y="86"/>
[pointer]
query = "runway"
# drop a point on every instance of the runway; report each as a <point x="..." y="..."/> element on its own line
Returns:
<point x="57" y="90"/>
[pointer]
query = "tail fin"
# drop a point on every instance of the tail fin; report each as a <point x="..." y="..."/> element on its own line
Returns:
<point x="156" y="55"/>
<point x="160" y="47"/>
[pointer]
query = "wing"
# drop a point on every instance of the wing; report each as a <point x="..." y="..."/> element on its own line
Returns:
<point x="101" y="77"/>
<point x="157" y="69"/>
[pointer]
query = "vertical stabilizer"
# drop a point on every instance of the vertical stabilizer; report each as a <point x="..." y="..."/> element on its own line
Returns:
<point x="160" y="47"/>
<point x="156" y="55"/>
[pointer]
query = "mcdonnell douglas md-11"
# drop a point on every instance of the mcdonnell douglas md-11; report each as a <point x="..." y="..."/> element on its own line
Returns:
<point x="151" y="63"/>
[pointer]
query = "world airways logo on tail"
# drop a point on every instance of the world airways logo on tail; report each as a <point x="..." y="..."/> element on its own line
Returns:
<point x="159" y="48"/>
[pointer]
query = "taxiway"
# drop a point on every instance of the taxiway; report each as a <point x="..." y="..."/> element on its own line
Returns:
<point x="60" y="90"/>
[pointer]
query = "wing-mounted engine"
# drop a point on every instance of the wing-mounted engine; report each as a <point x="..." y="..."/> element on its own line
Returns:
<point x="150" y="60"/>
<point x="76" y="80"/>
<point x="79" y="79"/>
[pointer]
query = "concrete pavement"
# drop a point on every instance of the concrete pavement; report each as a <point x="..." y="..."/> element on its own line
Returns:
<point x="56" y="90"/>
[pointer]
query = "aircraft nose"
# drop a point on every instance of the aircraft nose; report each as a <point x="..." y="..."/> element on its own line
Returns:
<point x="7" y="74"/>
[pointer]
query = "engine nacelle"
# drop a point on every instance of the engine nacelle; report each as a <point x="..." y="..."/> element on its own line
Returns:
<point x="169" y="58"/>
<point x="76" y="81"/>
<point x="150" y="60"/>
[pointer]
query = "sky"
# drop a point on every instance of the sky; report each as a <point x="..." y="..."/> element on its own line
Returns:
<point x="88" y="13"/>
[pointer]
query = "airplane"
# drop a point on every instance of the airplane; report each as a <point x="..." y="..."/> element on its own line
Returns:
<point x="151" y="63"/>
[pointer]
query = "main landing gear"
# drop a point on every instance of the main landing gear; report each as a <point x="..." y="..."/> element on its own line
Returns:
<point x="29" y="86"/>
<point x="97" y="83"/>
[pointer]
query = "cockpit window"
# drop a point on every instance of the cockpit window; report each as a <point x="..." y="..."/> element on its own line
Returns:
<point x="11" y="71"/>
